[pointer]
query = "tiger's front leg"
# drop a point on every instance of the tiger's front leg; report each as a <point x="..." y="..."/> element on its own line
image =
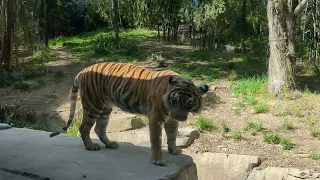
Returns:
<point x="155" y="130"/>
<point x="171" y="128"/>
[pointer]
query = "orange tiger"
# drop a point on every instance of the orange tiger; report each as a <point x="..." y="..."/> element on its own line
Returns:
<point x="165" y="97"/>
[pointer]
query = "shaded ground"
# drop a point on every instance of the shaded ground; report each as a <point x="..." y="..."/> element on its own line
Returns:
<point x="219" y="69"/>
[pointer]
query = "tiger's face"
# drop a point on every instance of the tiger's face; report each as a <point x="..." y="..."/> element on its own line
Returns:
<point x="183" y="98"/>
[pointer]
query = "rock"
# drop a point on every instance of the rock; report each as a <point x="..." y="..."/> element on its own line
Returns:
<point x="187" y="136"/>
<point x="64" y="157"/>
<point x="4" y="126"/>
<point x="123" y="122"/>
<point x="219" y="166"/>
<point x="275" y="173"/>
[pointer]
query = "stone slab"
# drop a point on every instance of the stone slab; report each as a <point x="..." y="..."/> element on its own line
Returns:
<point x="219" y="166"/>
<point x="4" y="126"/>
<point x="64" y="157"/>
<point x="276" y="173"/>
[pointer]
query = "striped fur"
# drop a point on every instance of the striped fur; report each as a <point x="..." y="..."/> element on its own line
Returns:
<point x="164" y="97"/>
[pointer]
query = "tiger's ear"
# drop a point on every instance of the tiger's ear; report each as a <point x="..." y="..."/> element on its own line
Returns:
<point x="204" y="88"/>
<point x="172" y="80"/>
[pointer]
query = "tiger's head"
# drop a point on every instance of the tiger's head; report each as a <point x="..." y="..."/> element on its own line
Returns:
<point x="183" y="98"/>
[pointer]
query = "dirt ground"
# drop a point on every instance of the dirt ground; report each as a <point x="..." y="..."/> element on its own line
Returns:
<point x="220" y="105"/>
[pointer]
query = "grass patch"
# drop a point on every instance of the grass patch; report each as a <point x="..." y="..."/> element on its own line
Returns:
<point x="207" y="73"/>
<point x="287" y="124"/>
<point x="314" y="155"/>
<point x="256" y="126"/>
<point x="251" y="87"/>
<point x="315" y="132"/>
<point x="262" y="107"/>
<point x="286" y="143"/>
<point x="74" y="128"/>
<point x="250" y="100"/>
<point x="236" y="135"/>
<point x="271" y="137"/>
<point x="205" y="124"/>
<point x="224" y="126"/>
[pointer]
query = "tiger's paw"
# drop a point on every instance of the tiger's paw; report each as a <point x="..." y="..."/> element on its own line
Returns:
<point x="112" y="145"/>
<point x="93" y="147"/>
<point x="159" y="162"/>
<point x="175" y="151"/>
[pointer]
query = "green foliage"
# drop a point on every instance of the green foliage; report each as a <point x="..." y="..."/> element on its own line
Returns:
<point x="206" y="14"/>
<point x="286" y="143"/>
<point x="287" y="124"/>
<point x="205" y="124"/>
<point x="252" y="86"/>
<point x="272" y="137"/>
<point x="262" y="107"/>
<point x="74" y="128"/>
<point x="236" y="135"/>
<point x="225" y="128"/>
<point x="255" y="126"/>
<point x="314" y="155"/>
<point x="251" y="100"/>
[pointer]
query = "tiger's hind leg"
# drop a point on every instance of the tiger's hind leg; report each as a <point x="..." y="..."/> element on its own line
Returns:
<point x="171" y="128"/>
<point x="87" y="122"/>
<point x="100" y="129"/>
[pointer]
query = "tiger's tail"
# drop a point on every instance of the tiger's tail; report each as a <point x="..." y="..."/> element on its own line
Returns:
<point x="74" y="93"/>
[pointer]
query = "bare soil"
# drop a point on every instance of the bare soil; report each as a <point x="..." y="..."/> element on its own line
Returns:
<point x="220" y="105"/>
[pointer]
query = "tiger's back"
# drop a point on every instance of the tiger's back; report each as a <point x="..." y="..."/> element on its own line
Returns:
<point x="129" y="87"/>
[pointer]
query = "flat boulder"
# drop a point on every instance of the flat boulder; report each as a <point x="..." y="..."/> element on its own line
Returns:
<point x="219" y="166"/>
<point x="30" y="152"/>
<point x="276" y="173"/>
<point x="4" y="126"/>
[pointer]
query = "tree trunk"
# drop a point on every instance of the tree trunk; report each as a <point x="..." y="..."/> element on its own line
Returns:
<point x="45" y="25"/>
<point x="9" y="43"/>
<point x="116" y="19"/>
<point x="281" y="23"/>
<point x="244" y="25"/>
<point x="3" y="27"/>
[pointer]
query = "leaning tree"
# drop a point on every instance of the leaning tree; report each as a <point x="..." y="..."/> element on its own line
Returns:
<point x="282" y="16"/>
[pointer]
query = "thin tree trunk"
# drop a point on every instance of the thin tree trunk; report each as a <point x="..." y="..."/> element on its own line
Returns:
<point x="16" y="35"/>
<point x="3" y="27"/>
<point x="116" y="19"/>
<point x="45" y="26"/>
<point x="9" y="43"/>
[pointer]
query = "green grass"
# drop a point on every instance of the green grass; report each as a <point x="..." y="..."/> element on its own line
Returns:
<point x="207" y="73"/>
<point x="74" y="128"/>
<point x="101" y="44"/>
<point x="255" y="126"/>
<point x="272" y="137"/>
<point x="252" y="86"/>
<point x="236" y="135"/>
<point x="261" y="107"/>
<point x="287" y="124"/>
<point x="224" y="126"/>
<point x="314" y="155"/>
<point x="286" y="143"/>
<point x="250" y="100"/>
<point x="315" y="132"/>
<point x="205" y="124"/>
<point x="275" y="138"/>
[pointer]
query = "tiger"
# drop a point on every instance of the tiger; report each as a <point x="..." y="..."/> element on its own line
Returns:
<point x="165" y="97"/>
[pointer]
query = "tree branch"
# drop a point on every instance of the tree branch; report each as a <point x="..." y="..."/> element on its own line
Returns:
<point x="300" y="7"/>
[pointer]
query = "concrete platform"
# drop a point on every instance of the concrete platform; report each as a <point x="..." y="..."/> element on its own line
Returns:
<point x="33" y="154"/>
